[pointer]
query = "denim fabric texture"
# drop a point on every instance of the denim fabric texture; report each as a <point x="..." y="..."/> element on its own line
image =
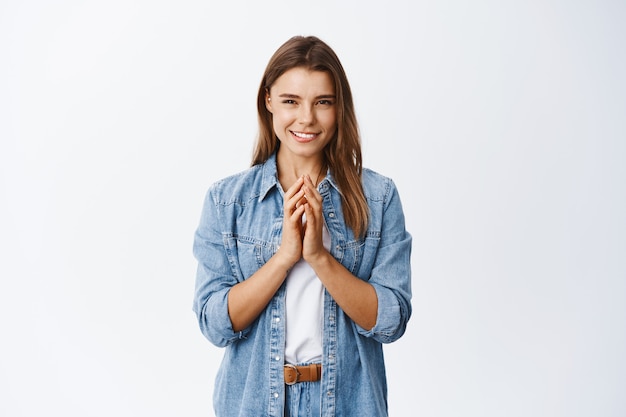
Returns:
<point x="303" y="400"/>
<point x="240" y="229"/>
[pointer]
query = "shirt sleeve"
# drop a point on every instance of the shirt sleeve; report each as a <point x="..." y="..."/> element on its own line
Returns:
<point x="214" y="277"/>
<point x="391" y="273"/>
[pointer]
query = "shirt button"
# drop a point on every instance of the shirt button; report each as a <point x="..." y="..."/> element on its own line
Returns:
<point x="331" y="215"/>
<point x="275" y="395"/>
<point x="277" y="358"/>
<point x="277" y="319"/>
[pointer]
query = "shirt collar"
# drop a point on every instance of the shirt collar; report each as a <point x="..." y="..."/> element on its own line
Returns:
<point x="331" y="180"/>
<point x="270" y="177"/>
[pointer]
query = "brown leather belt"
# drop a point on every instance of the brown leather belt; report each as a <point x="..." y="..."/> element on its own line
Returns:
<point x="306" y="373"/>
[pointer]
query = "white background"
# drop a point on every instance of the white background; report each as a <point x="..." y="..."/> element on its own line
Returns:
<point x="503" y="124"/>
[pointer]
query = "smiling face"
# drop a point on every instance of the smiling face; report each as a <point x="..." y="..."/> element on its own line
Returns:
<point x="304" y="115"/>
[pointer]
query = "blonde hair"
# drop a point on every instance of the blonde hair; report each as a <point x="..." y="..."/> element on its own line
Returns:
<point x="342" y="155"/>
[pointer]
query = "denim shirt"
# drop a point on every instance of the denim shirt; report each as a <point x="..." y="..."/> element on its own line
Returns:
<point x="240" y="229"/>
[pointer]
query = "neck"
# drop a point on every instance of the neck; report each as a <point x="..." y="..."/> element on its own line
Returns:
<point x="289" y="170"/>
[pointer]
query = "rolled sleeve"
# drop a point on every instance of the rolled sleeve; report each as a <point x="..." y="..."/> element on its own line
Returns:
<point x="214" y="278"/>
<point x="391" y="273"/>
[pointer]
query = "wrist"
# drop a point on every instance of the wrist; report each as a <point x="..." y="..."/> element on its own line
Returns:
<point x="284" y="260"/>
<point x="320" y="260"/>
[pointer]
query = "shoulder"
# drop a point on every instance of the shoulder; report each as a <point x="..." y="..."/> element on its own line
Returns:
<point x="377" y="187"/>
<point x="237" y="188"/>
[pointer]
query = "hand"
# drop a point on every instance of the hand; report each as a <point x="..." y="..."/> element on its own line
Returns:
<point x="312" y="245"/>
<point x="290" y="249"/>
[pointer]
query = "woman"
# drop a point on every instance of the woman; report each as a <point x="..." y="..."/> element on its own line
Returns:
<point x="304" y="260"/>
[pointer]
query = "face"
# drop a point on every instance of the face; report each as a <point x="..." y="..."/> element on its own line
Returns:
<point x="303" y="106"/>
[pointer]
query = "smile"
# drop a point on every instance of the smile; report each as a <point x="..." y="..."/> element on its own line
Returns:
<point x="304" y="137"/>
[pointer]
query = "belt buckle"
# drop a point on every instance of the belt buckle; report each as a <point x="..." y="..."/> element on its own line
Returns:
<point x="288" y="365"/>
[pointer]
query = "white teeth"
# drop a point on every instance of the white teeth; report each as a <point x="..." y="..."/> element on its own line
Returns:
<point x="304" y="135"/>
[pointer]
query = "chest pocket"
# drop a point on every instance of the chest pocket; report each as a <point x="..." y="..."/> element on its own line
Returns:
<point x="358" y="256"/>
<point x="246" y="253"/>
<point x="369" y="248"/>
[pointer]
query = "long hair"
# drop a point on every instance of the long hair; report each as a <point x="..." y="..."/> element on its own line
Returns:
<point x="342" y="155"/>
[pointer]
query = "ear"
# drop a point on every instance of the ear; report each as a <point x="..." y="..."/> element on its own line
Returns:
<point x="268" y="101"/>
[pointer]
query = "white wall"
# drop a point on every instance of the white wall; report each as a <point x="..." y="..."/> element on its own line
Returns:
<point x="503" y="124"/>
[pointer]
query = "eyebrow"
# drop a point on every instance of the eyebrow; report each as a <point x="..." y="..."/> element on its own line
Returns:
<point x="287" y="95"/>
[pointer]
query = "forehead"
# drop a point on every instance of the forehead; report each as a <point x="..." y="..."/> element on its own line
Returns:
<point x="302" y="81"/>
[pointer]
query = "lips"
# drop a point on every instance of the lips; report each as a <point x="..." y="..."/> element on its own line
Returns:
<point x="303" y="137"/>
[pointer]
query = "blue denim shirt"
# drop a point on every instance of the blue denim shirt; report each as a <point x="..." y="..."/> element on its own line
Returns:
<point x="240" y="229"/>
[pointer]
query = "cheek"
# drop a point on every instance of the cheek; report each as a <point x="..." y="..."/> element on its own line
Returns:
<point x="279" y="124"/>
<point x="280" y="120"/>
<point x="330" y="122"/>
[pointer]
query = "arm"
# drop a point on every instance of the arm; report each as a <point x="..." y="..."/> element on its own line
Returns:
<point x="248" y="299"/>
<point x="217" y="291"/>
<point x="356" y="297"/>
<point x="214" y="276"/>
<point x="380" y="306"/>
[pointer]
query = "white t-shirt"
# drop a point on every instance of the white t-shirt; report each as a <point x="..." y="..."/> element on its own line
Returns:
<point x="304" y="306"/>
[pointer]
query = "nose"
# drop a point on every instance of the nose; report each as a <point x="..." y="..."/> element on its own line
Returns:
<point x="306" y="115"/>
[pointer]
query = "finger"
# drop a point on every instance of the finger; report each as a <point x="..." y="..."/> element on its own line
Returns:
<point x="312" y="233"/>
<point x="295" y="201"/>
<point x="313" y="197"/>
<point x="308" y="182"/>
<point x="296" y="216"/>
<point x="309" y="185"/>
<point x="311" y="219"/>
<point x="294" y="188"/>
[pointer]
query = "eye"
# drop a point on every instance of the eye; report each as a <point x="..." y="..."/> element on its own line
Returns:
<point x="289" y="101"/>
<point x="325" y="102"/>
